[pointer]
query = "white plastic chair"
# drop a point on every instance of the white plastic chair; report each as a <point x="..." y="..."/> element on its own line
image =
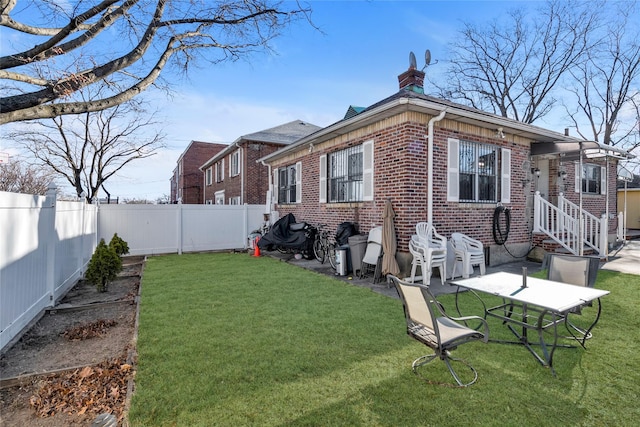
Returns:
<point x="373" y="254"/>
<point x="428" y="258"/>
<point x="469" y="252"/>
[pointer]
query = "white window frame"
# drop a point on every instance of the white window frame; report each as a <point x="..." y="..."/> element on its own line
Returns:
<point x="502" y="169"/>
<point x="208" y="176"/>
<point x="352" y="190"/>
<point x="234" y="163"/>
<point x="582" y="182"/>
<point x="292" y="184"/>
<point x="219" y="197"/>
<point x="219" y="171"/>
<point x="234" y="200"/>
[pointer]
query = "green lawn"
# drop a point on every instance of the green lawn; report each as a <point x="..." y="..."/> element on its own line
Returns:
<point x="234" y="340"/>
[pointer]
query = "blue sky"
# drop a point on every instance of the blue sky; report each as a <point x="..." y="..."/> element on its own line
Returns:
<point x="312" y="76"/>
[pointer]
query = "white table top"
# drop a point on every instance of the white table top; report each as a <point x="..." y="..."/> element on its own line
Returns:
<point x="554" y="296"/>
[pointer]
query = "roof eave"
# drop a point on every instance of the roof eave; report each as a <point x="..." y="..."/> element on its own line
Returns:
<point x="396" y="105"/>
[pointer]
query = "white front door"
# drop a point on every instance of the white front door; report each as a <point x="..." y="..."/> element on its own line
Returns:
<point x="542" y="181"/>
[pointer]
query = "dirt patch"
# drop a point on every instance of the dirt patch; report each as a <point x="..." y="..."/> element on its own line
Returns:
<point x="77" y="361"/>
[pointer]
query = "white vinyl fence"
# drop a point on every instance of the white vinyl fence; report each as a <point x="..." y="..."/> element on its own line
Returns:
<point x="160" y="229"/>
<point x="45" y="245"/>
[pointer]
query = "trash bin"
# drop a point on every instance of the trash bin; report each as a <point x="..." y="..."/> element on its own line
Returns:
<point x="357" y="248"/>
<point x="342" y="260"/>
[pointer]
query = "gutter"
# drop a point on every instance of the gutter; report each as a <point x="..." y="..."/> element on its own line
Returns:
<point x="269" y="198"/>
<point x="430" y="164"/>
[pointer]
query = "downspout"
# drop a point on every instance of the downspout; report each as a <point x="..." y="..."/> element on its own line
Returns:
<point x="270" y="191"/>
<point x="241" y="174"/>
<point x="430" y="164"/>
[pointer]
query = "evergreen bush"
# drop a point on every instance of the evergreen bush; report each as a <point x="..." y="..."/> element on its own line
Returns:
<point x="104" y="266"/>
<point x="119" y="246"/>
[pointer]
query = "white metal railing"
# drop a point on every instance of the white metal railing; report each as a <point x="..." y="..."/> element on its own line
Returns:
<point x="562" y="224"/>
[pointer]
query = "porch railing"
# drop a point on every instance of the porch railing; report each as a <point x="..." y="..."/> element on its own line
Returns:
<point x="562" y="224"/>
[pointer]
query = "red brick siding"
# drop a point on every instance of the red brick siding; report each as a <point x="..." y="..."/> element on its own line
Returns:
<point x="256" y="175"/>
<point x="191" y="178"/>
<point x="400" y="157"/>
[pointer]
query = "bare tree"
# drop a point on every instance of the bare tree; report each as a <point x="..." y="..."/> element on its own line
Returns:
<point x="511" y="66"/>
<point x="88" y="149"/>
<point x="18" y="177"/>
<point x="606" y="85"/>
<point x="72" y="47"/>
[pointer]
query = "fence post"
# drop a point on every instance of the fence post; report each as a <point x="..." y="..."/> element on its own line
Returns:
<point x="179" y="226"/>
<point x="621" y="233"/>
<point x="51" y="239"/>
<point x="604" y="236"/>
<point x="536" y="212"/>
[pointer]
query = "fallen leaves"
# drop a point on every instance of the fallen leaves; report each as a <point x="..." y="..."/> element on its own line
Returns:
<point x="91" y="390"/>
<point x="90" y="330"/>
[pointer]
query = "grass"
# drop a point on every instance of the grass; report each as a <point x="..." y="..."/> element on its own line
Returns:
<point x="234" y="340"/>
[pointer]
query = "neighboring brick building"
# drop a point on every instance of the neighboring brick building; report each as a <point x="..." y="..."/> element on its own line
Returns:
<point x="187" y="179"/>
<point x="233" y="176"/>
<point x="481" y="162"/>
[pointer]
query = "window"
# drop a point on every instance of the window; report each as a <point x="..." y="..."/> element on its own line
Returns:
<point x="474" y="174"/>
<point x="235" y="163"/>
<point x="208" y="176"/>
<point x="220" y="171"/>
<point x="287" y="184"/>
<point x="592" y="180"/>
<point x="234" y="200"/>
<point x="345" y="175"/>
<point x="219" y="197"/>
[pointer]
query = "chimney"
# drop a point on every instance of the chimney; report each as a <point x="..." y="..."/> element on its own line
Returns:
<point x="412" y="80"/>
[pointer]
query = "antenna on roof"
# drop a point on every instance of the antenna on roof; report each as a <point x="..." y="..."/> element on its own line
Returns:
<point x="412" y="61"/>
<point x="427" y="59"/>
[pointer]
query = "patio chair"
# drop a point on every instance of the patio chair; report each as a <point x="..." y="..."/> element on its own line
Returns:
<point x="427" y="258"/>
<point x="468" y="252"/>
<point x="372" y="259"/>
<point x="575" y="270"/>
<point x="429" y="324"/>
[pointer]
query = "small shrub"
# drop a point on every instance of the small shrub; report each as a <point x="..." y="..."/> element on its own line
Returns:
<point x="119" y="246"/>
<point x="104" y="266"/>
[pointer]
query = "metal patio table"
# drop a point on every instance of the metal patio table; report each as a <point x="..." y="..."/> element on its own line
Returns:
<point x="540" y="306"/>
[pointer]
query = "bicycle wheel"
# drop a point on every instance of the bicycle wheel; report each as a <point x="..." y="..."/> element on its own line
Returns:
<point x="331" y="254"/>
<point x="318" y="250"/>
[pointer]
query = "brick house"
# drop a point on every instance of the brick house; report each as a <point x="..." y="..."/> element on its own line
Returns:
<point x="186" y="181"/>
<point x="449" y="164"/>
<point x="233" y="176"/>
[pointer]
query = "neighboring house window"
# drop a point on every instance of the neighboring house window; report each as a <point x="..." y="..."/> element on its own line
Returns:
<point x="592" y="180"/>
<point x="220" y="171"/>
<point x="209" y="202"/>
<point x="219" y="197"/>
<point x="235" y="163"/>
<point x="234" y="200"/>
<point x="208" y="176"/>
<point x="288" y="182"/>
<point x="474" y="172"/>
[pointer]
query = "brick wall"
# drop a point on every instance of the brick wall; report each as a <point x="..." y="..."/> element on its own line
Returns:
<point x="191" y="179"/>
<point x="256" y="175"/>
<point x="400" y="157"/>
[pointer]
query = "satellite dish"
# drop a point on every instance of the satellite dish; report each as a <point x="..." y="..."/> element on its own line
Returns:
<point x="427" y="58"/>
<point x="412" y="61"/>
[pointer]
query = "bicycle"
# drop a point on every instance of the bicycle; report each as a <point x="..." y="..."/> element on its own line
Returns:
<point x="324" y="246"/>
